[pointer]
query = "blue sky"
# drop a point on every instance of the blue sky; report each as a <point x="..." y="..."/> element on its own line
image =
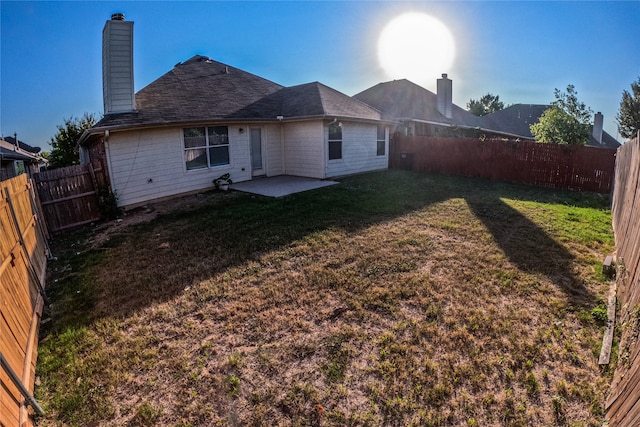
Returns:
<point x="50" y="62"/>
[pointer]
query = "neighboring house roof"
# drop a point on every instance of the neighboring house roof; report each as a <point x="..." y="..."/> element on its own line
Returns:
<point x="23" y="146"/>
<point x="201" y="90"/>
<point x="8" y="150"/>
<point x="518" y="118"/>
<point x="607" y="141"/>
<point x="404" y="100"/>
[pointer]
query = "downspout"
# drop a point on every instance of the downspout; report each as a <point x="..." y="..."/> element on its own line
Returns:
<point x="282" y="151"/>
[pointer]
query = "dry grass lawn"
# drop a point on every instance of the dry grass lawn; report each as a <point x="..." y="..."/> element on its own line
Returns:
<point x="394" y="298"/>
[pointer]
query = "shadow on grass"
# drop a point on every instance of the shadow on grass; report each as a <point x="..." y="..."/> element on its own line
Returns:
<point x="154" y="262"/>
<point x="529" y="247"/>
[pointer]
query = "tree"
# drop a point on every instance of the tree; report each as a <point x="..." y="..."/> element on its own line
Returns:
<point x="65" y="142"/>
<point x="485" y="105"/>
<point x="629" y="116"/>
<point x="567" y="121"/>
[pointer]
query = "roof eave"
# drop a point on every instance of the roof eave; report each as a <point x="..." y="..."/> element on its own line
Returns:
<point x="86" y="135"/>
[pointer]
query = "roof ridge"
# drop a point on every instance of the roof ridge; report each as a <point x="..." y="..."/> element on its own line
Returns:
<point x="356" y="100"/>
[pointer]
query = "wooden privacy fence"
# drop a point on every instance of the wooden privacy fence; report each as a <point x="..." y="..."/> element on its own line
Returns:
<point x="23" y="264"/>
<point x="549" y="165"/>
<point x="69" y="196"/>
<point x="623" y="404"/>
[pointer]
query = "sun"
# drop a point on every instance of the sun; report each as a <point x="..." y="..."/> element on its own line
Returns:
<point x="417" y="47"/>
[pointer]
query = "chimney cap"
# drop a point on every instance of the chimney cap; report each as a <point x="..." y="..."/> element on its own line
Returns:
<point x="117" y="16"/>
<point x="444" y="75"/>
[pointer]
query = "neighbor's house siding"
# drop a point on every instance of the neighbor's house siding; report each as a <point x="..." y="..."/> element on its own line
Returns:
<point x="149" y="164"/>
<point x="304" y="149"/>
<point x="359" y="150"/>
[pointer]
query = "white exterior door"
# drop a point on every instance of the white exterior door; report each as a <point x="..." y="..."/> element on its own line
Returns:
<point x="257" y="162"/>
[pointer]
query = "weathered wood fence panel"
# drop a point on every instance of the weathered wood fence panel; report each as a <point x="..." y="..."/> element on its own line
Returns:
<point x="623" y="404"/>
<point x="23" y="263"/>
<point x="550" y="165"/>
<point x="69" y="196"/>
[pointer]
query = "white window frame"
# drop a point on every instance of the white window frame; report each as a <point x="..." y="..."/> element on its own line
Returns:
<point x="208" y="146"/>
<point x="334" y="141"/>
<point x="383" y="140"/>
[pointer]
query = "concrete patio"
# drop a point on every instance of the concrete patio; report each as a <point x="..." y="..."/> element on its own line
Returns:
<point x="279" y="186"/>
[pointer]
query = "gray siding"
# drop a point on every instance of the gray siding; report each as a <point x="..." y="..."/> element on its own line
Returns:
<point x="117" y="67"/>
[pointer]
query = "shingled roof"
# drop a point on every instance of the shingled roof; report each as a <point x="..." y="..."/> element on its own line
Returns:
<point x="23" y="146"/>
<point x="202" y="89"/>
<point x="9" y="151"/>
<point x="308" y="100"/>
<point x="403" y="99"/>
<point x="195" y="90"/>
<point x="518" y="118"/>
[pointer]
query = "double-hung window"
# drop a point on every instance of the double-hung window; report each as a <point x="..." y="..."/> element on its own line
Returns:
<point x="382" y="141"/>
<point x="335" y="141"/>
<point x="206" y="147"/>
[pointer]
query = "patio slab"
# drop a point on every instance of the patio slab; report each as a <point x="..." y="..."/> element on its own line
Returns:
<point x="279" y="186"/>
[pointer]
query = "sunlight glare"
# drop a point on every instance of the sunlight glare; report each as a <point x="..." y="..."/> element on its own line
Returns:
<point x="417" y="47"/>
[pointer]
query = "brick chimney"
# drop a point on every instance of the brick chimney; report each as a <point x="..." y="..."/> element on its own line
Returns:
<point x="445" y="96"/>
<point x="117" y="65"/>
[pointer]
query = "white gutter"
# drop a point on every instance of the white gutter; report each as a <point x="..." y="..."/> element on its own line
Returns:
<point x="97" y="130"/>
<point x="282" y="150"/>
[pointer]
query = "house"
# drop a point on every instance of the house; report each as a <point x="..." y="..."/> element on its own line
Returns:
<point x="419" y="111"/>
<point x="16" y="157"/>
<point x="518" y="118"/>
<point x="203" y="119"/>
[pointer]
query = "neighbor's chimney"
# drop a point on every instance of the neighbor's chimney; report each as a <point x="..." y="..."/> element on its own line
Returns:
<point x="445" y="98"/>
<point x="598" y="121"/>
<point x="117" y="65"/>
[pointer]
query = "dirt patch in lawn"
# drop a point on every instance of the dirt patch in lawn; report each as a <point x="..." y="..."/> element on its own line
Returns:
<point x="101" y="232"/>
